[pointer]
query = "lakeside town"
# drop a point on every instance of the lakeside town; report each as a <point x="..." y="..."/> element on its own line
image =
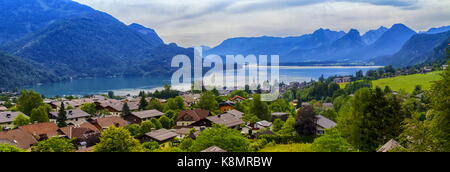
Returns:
<point x="316" y="116"/>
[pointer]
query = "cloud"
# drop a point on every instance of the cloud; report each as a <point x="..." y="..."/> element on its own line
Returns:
<point x="208" y="22"/>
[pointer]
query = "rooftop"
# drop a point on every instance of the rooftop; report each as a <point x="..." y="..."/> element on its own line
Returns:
<point x="162" y="135"/>
<point x="228" y="120"/>
<point x="7" y="117"/>
<point x="148" y="114"/>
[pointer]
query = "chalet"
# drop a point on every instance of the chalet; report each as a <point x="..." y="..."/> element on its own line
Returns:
<point x="390" y="145"/>
<point x="6" y="118"/>
<point x="41" y="131"/>
<point x="427" y="69"/>
<point x="83" y="136"/>
<point x="18" y="138"/>
<point x="342" y="80"/>
<point x="444" y="67"/>
<point x="227" y="120"/>
<point x="115" y="106"/>
<point x="106" y="122"/>
<point x="263" y="124"/>
<point x="213" y="149"/>
<point x="188" y="117"/>
<point x="226" y="106"/>
<point x="75" y="103"/>
<point x="139" y="117"/>
<point x="237" y="99"/>
<point x="236" y="113"/>
<point x="3" y="108"/>
<point x="191" y="99"/>
<point x="160" y="136"/>
<point x="280" y="115"/>
<point x="74" y="117"/>
<point x="324" y="123"/>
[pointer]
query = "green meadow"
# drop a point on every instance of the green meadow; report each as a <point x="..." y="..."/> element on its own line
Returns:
<point x="409" y="82"/>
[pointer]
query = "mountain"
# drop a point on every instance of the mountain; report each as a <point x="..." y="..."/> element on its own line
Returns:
<point x="21" y="17"/>
<point x="438" y="30"/>
<point x="89" y="43"/>
<point x="15" y="71"/>
<point x="373" y="35"/>
<point x="390" y="42"/>
<point x="276" y="45"/>
<point x="419" y="49"/>
<point x="150" y="33"/>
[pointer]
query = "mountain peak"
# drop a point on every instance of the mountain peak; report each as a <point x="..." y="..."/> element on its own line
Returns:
<point x="148" y="32"/>
<point x="401" y="27"/>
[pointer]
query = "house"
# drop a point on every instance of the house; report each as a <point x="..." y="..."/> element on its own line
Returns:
<point x="191" y="99"/>
<point x="74" y="117"/>
<point x="3" y="108"/>
<point x="226" y="106"/>
<point x="41" y="131"/>
<point x="390" y="145"/>
<point x="324" y="123"/>
<point x="280" y="115"/>
<point x="263" y="124"/>
<point x="213" y="149"/>
<point x="444" y="67"/>
<point x="342" y="80"/>
<point x="106" y="122"/>
<point x="236" y="113"/>
<point x="83" y="136"/>
<point x="427" y="69"/>
<point x="139" y="117"/>
<point x="160" y="136"/>
<point x="6" y="118"/>
<point x="228" y="120"/>
<point x="18" y="138"/>
<point x="115" y="106"/>
<point x="237" y="99"/>
<point x="188" y="117"/>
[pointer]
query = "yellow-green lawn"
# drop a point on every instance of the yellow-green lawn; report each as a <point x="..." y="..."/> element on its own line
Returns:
<point x="409" y="82"/>
<point x="288" y="148"/>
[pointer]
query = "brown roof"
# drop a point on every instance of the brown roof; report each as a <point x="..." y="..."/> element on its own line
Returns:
<point x="147" y="114"/>
<point x="391" y="144"/>
<point x="236" y="113"/>
<point x="90" y="126"/>
<point x="18" y="138"/>
<point x="196" y="115"/>
<point x="48" y="129"/>
<point x="75" y="132"/>
<point x="228" y="120"/>
<point x="72" y="114"/>
<point x="213" y="149"/>
<point x="162" y="135"/>
<point x="325" y="122"/>
<point x="238" y="97"/>
<point x="106" y="122"/>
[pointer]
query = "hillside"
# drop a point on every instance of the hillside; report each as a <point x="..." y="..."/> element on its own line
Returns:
<point x="409" y="82"/>
<point x="15" y="71"/>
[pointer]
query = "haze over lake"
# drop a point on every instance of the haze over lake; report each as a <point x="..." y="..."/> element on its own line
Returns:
<point x="132" y="85"/>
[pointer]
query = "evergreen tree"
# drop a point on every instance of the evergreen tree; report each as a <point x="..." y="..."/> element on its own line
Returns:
<point x="62" y="116"/>
<point x="143" y="103"/>
<point x="125" y="110"/>
<point x="260" y="108"/>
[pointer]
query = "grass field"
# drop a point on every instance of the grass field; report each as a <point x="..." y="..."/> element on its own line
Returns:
<point x="288" y="148"/>
<point x="409" y="82"/>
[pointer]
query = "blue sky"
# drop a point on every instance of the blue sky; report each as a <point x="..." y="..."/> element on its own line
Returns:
<point x="209" y="22"/>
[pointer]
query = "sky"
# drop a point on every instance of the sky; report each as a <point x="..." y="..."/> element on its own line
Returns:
<point x="209" y="22"/>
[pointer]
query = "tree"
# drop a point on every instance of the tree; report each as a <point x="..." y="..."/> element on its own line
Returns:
<point x="116" y="139"/>
<point x="125" y="110"/>
<point x="332" y="141"/>
<point x="228" y="139"/>
<point x="147" y="126"/>
<point x="306" y="122"/>
<point x="28" y="101"/>
<point x="39" y="114"/>
<point x="277" y="125"/>
<point x="151" y="146"/>
<point x="166" y="122"/>
<point x="89" y="108"/>
<point x="143" y="103"/>
<point x="288" y="127"/>
<point x="260" y="109"/>
<point x="62" y="116"/>
<point x="370" y="119"/>
<point x="156" y="123"/>
<point x="208" y="101"/>
<point x="111" y="94"/>
<point x="54" y="144"/>
<point x="21" y="120"/>
<point x="155" y="104"/>
<point x="10" y="148"/>
<point x="176" y="103"/>
<point x="134" y="129"/>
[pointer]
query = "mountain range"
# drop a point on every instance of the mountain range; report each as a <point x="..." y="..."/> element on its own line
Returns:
<point x="52" y="40"/>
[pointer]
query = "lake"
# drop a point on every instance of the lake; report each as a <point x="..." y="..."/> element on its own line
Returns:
<point x="133" y="85"/>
